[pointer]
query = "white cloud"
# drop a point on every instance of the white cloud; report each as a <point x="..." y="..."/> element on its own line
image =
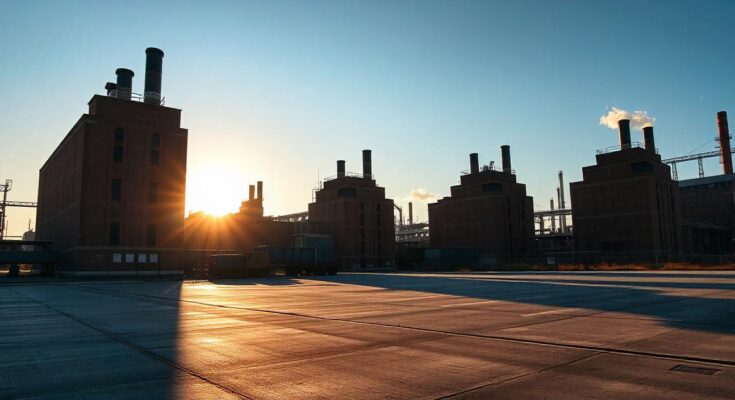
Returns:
<point x="638" y="119"/>
<point x="421" y="195"/>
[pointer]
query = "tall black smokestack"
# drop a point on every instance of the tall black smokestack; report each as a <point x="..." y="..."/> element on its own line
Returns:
<point x="367" y="164"/>
<point x="474" y="163"/>
<point x="505" y="154"/>
<point x="648" y="139"/>
<point x="724" y="136"/>
<point x="124" y="83"/>
<point x="340" y="168"/>
<point x="153" y="74"/>
<point x="624" y="129"/>
<point x="260" y="191"/>
<point x="410" y="213"/>
<point x="251" y="192"/>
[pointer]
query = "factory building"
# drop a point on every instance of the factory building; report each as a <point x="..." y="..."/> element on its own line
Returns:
<point x="353" y="209"/>
<point x="708" y="203"/>
<point x="627" y="202"/>
<point x="242" y="231"/>
<point x="111" y="196"/>
<point x="489" y="210"/>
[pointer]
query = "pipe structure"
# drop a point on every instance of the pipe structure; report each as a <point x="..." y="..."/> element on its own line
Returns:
<point x="367" y="164"/>
<point x="474" y="163"/>
<point x="562" y="203"/>
<point x="251" y="192"/>
<point x="724" y="138"/>
<point x="553" y="218"/>
<point x="650" y="144"/>
<point x="111" y="89"/>
<point x="505" y="154"/>
<point x="340" y="168"/>
<point x="124" y="83"/>
<point x="153" y="75"/>
<point x="624" y="129"/>
<point x="260" y="191"/>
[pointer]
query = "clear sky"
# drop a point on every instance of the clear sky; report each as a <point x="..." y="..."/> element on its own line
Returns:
<point x="279" y="90"/>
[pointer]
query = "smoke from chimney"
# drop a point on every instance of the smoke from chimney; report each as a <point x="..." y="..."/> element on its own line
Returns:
<point x="638" y="119"/>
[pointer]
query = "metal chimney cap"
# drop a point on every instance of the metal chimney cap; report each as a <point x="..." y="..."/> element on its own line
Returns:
<point x="154" y="50"/>
<point x="124" y="71"/>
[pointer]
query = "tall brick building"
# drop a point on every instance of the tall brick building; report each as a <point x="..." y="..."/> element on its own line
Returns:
<point x="111" y="196"/>
<point x="489" y="210"/>
<point x="627" y="202"/>
<point x="353" y="209"/>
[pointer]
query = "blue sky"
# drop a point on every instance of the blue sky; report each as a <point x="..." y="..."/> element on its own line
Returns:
<point x="280" y="90"/>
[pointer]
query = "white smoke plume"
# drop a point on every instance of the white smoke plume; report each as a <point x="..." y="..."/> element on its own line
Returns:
<point x="638" y="119"/>
<point x="421" y="195"/>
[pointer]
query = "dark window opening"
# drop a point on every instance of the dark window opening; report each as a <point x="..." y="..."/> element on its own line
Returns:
<point x="116" y="189"/>
<point x="347" y="192"/>
<point x="155" y="157"/>
<point x="114" y="234"/>
<point x="152" y="192"/>
<point x="641" y="167"/>
<point x="492" y="188"/>
<point x="119" y="136"/>
<point x="155" y="149"/>
<point x="117" y="153"/>
<point x="151" y="240"/>
<point x="378" y="219"/>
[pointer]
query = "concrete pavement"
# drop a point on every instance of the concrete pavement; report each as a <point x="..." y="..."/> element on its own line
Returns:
<point x="596" y="335"/>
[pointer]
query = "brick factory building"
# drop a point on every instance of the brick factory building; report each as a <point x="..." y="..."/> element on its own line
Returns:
<point x="489" y="210"/>
<point x="111" y="196"/>
<point x="353" y="209"/>
<point x="627" y="202"/>
<point x="708" y="205"/>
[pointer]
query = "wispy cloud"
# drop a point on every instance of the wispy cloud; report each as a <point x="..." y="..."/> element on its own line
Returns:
<point x="421" y="195"/>
<point x="638" y="119"/>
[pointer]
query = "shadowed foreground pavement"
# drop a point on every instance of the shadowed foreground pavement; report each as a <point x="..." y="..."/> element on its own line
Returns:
<point x="606" y="335"/>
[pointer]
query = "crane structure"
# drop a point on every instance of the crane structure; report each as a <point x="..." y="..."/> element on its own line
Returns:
<point x="5" y="188"/>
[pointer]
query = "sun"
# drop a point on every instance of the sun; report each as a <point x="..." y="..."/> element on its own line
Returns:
<point x="214" y="189"/>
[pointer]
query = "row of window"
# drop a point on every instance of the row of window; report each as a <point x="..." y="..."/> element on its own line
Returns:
<point x="115" y="235"/>
<point x="130" y="258"/>
<point x="116" y="191"/>
<point x="119" y="146"/>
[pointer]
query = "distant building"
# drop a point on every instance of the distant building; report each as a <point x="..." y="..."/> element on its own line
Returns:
<point x="242" y="231"/>
<point x="708" y="204"/>
<point x="627" y="202"/>
<point x="489" y="210"/>
<point x="111" y="196"/>
<point x="354" y="211"/>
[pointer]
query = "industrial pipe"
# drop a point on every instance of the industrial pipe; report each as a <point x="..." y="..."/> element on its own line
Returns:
<point x="624" y="129"/>
<point x="648" y="139"/>
<point x="153" y="75"/>
<point x="724" y="137"/>
<point x="474" y="163"/>
<point x="124" y="83"/>
<point x="505" y="154"/>
<point x="367" y="164"/>
<point x="340" y="168"/>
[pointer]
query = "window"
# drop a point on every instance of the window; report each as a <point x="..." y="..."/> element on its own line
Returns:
<point x="151" y="237"/>
<point x="155" y="148"/>
<point x="117" y="151"/>
<point x="129" y="258"/>
<point x="153" y="258"/>
<point x="142" y="258"/>
<point x="117" y="258"/>
<point x="114" y="234"/>
<point x="641" y="167"/>
<point x="347" y="192"/>
<point x="152" y="192"/>
<point x="116" y="191"/>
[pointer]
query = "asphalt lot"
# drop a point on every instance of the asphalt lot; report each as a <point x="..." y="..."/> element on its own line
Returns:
<point x="596" y="335"/>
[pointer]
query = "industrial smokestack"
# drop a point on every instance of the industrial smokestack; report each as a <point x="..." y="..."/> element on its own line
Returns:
<point x="410" y="213"/>
<point x="624" y="129"/>
<point x="562" y="201"/>
<point x="153" y="75"/>
<point x="724" y="137"/>
<point x="367" y="164"/>
<point x="111" y="89"/>
<point x="260" y="191"/>
<point x="124" y="83"/>
<point x="340" y="168"/>
<point x="505" y="154"/>
<point x="648" y="139"/>
<point x="553" y="218"/>
<point x="251" y="192"/>
<point x="474" y="163"/>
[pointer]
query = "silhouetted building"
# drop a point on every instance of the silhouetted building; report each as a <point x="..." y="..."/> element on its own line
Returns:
<point x="354" y="211"/>
<point x="627" y="202"/>
<point x="111" y="196"/>
<point x="489" y="210"/>
<point x="242" y="231"/>
<point x="708" y="204"/>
